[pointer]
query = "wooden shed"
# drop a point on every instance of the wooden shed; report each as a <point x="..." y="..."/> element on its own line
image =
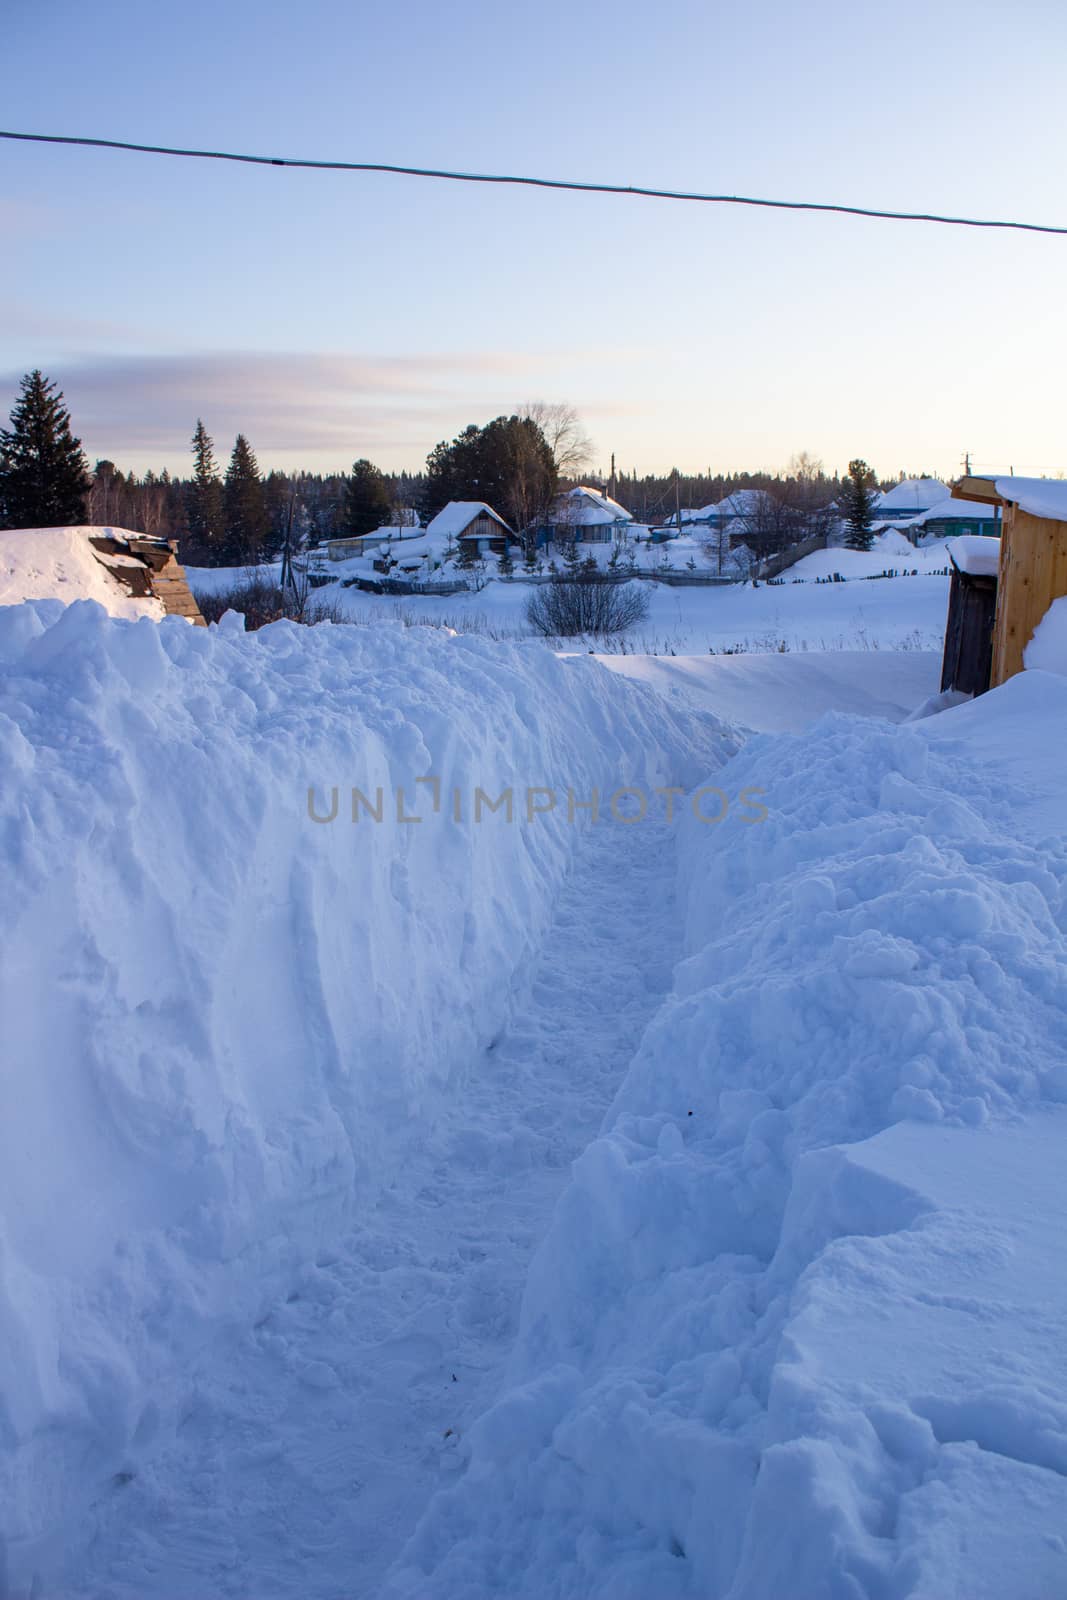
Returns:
<point x="1033" y="559"/>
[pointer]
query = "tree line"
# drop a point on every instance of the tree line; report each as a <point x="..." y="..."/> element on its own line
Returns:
<point x="517" y="464"/>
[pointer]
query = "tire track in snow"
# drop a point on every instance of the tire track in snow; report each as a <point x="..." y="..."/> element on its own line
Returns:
<point x="310" y="1446"/>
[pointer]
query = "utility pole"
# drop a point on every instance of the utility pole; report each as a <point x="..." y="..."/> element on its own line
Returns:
<point x="611" y="490"/>
<point x="967" y="463"/>
<point x="678" y="500"/>
<point x="287" y="576"/>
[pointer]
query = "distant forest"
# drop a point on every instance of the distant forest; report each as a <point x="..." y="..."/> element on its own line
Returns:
<point x="313" y="507"/>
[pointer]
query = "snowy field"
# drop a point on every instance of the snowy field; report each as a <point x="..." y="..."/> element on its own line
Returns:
<point x="666" y="1203"/>
<point x="863" y="613"/>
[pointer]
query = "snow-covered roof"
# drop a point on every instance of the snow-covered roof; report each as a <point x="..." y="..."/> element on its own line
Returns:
<point x="458" y="516"/>
<point x="1039" y="497"/>
<point x="708" y="513"/>
<point x="63" y="564"/>
<point x="742" y="503"/>
<point x="913" y="494"/>
<point x="584" y="505"/>
<point x="975" y="554"/>
<point x="950" y="508"/>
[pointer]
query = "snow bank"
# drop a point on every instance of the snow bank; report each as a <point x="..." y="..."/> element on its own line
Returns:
<point x="226" y="1022"/>
<point x="890" y="551"/>
<point x="1047" y="650"/>
<point x="60" y="564"/>
<point x="769" y="1347"/>
<point x="782" y="692"/>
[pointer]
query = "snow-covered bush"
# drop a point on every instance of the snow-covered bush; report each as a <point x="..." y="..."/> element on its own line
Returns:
<point x="587" y="604"/>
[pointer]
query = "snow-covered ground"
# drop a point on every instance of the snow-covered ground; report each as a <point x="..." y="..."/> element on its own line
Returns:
<point x="300" y="1292"/>
<point x="226" y="1023"/>
<point x="796" y="1328"/>
<point x="866" y="612"/>
<point x="783" y="693"/>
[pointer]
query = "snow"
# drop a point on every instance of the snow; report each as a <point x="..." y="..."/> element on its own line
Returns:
<point x="1047" y="649"/>
<point x="980" y="557"/>
<point x="227" y="1026"/>
<point x="1040" y="497"/>
<point x="797" y="614"/>
<point x="793" y="1329"/>
<point x="535" y="1208"/>
<point x="951" y="506"/>
<point x="61" y="564"/>
<point x="583" y="505"/>
<point x="890" y="551"/>
<point x="784" y="693"/>
<point x="458" y="515"/>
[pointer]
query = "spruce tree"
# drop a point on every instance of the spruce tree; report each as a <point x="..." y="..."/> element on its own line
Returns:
<point x="204" y="500"/>
<point x="857" y="502"/>
<point x="44" y="476"/>
<point x="245" y="507"/>
<point x="368" y="504"/>
<point x="505" y="565"/>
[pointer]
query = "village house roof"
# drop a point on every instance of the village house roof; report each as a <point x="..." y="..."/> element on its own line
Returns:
<point x="458" y="515"/>
<point x="911" y="495"/>
<point x="950" y="509"/>
<point x="582" y="506"/>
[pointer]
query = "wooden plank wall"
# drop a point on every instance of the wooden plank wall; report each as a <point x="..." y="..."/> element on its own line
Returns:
<point x="1033" y="573"/>
<point x="170" y="585"/>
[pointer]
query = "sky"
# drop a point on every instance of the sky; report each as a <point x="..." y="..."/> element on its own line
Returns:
<point x="330" y="316"/>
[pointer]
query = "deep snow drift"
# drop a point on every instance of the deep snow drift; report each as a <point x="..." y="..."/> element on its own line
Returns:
<point x="287" y="1105"/>
<point x="226" y="1023"/>
<point x="797" y="1326"/>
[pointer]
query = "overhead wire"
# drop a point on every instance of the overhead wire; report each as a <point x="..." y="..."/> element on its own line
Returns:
<point x="627" y="189"/>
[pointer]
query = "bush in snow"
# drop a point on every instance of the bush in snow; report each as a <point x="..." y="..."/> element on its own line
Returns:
<point x="260" y="600"/>
<point x="586" y="604"/>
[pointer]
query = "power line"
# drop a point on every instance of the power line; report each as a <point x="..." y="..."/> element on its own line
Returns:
<point x="536" y="183"/>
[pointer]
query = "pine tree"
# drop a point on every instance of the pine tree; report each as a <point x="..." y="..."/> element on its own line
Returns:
<point x="44" y="476"/>
<point x="505" y="565"/>
<point x="204" y="500"/>
<point x="245" y="507"/>
<point x="368" y="503"/>
<point x="857" y="501"/>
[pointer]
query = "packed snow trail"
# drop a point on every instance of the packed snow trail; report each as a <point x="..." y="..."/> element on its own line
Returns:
<point x="311" y="1446"/>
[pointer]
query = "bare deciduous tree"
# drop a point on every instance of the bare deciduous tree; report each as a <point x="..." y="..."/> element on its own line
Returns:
<point x="562" y="427"/>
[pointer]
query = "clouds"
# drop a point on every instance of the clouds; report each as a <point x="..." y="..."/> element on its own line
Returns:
<point x="298" y="408"/>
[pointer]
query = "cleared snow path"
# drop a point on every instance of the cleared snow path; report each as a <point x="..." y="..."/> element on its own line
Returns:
<point x="309" y="1449"/>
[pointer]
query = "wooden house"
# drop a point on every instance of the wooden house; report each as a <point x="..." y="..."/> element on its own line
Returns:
<point x="584" y="516"/>
<point x="472" y="524"/>
<point x="1033" y="559"/>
